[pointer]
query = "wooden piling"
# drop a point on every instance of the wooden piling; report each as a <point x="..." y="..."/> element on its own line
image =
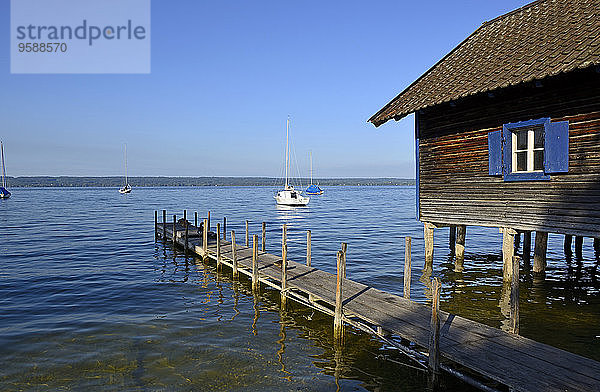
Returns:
<point x="196" y="219"/>
<point x="224" y="228"/>
<point x="508" y="251"/>
<point x="579" y="247"/>
<point x="514" y="297"/>
<point x="205" y="239"/>
<point x="517" y="241"/>
<point x="283" y="264"/>
<point x="344" y="253"/>
<point x="407" y="266"/>
<point x="434" y="336"/>
<point x="247" y="234"/>
<point x="164" y="225"/>
<point x="218" y="246"/>
<point x="184" y="214"/>
<point x="208" y="220"/>
<point x="428" y="237"/>
<point x="568" y="245"/>
<point x="338" y="327"/>
<point x="539" y="252"/>
<point x="255" y="281"/>
<point x="597" y="246"/>
<point x="264" y="237"/>
<point x="459" y="249"/>
<point x="526" y="247"/>
<point x="308" y="249"/>
<point x="174" y="229"/>
<point x="233" y="255"/>
<point x="185" y="245"/>
<point x="452" y="239"/>
<point x="155" y="225"/>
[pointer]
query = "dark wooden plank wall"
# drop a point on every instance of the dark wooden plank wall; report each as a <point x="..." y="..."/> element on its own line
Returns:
<point x="455" y="187"/>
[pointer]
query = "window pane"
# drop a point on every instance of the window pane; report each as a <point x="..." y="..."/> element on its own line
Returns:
<point x="538" y="160"/>
<point x="521" y="140"/>
<point x="538" y="137"/>
<point x="521" y="161"/>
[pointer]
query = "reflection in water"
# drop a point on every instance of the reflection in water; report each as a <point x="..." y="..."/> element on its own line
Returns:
<point x="256" y="313"/>
<point x="281" y="346"/>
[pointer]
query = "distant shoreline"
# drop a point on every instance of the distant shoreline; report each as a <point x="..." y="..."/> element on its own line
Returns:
<point x="109" y="182"/>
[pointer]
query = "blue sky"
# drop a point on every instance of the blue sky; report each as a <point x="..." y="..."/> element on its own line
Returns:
<point x="225" y="76"/>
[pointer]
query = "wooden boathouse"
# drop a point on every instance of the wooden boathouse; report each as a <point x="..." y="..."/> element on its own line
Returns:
<point x="507" y="130"/>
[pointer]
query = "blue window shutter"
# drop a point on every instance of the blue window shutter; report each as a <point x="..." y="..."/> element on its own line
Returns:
<point x="556" y="154"/>
<point x="495" y="153"/>
<point x="506" y="150"/>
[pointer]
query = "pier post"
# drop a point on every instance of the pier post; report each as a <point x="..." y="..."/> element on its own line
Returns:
<point x="185" y="246"/>
<point x="517" y="241"/>
<point x="526" y="247"/>
<point x="308" y="250"/>
<point x="428" y="237"/>
<point x="568" y="245"/>
<point x="434" y="336"/>
<point x="247" y="245"/>
<point x="264" y="237"/>
<point x="579" y="247"/>
<point x="218" y="246"/>
<point x="196" y="219"/>
<point x="338" y="326"/>
<point x="208" y="220"/>
<point x="224" y="229"/>
<point x="155" y="225"/>
<point x="205" y="239"/>
<point x="233" y="255"/>
<point x="255" y="281"/>
<point x="184" y="214"/>
<point x="407" y="266"/>
<point x="459" y="250"/>
<point x="174" y="229"/>
<point x="452" y="239"/>
<point x="283" y="265"/>
<point x="539" y="252"/>
<point x="344" y="253"/>
<point x="514" y="297"/>
<point x="508" y="251"/>
<point x="597" y="246"/>
<point x="164" y="225"/>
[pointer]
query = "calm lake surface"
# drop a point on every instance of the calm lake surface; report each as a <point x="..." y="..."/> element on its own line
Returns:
<point x="88" y="300"/>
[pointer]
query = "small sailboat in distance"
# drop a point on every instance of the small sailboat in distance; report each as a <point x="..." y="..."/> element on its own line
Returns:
<point x="288" y="196"/>
<point x="312" y="189"/>
<point x="125" y="188"/>
<point x="4" y="193"/>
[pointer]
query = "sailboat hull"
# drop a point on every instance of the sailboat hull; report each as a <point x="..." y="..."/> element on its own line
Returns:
<point x="4" y="193"/>
<point x="291" y="197"/>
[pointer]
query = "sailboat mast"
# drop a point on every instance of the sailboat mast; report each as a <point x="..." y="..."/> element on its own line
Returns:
<point x="3" y="168"/>
<point x="310" y="153"/>
<point x="126" y="179"/>
<point x="287" y="150"/>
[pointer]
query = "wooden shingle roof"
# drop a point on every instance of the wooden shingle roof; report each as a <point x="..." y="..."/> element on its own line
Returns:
<point x="541" y="39"/>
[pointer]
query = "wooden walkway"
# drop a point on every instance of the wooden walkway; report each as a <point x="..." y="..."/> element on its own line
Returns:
<point x="512" y="360"/>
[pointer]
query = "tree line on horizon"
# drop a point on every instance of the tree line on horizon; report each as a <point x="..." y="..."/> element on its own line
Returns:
<point x="68" y="181"/>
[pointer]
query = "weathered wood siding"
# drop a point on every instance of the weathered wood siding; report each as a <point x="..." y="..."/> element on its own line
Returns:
<point x="454" y="185"/>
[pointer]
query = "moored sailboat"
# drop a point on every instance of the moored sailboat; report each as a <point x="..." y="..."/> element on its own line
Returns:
<point x="288" y="196"/>
<point x="313" y="189"/>
<point x="4" y="193"/>
<point x="125" y="188"/>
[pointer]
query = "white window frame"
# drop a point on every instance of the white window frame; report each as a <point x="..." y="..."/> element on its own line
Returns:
<point x="530" y="149"/>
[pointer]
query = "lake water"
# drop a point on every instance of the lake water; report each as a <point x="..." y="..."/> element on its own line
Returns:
<point x="88" y="300"/>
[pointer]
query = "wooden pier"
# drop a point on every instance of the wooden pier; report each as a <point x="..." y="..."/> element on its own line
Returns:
<point x="508" y="359"/>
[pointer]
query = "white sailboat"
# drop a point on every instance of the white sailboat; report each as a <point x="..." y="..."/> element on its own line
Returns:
<point x="288" y="196"/>
<point x="4" y="193"/>
<point x="125" y="188"/>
